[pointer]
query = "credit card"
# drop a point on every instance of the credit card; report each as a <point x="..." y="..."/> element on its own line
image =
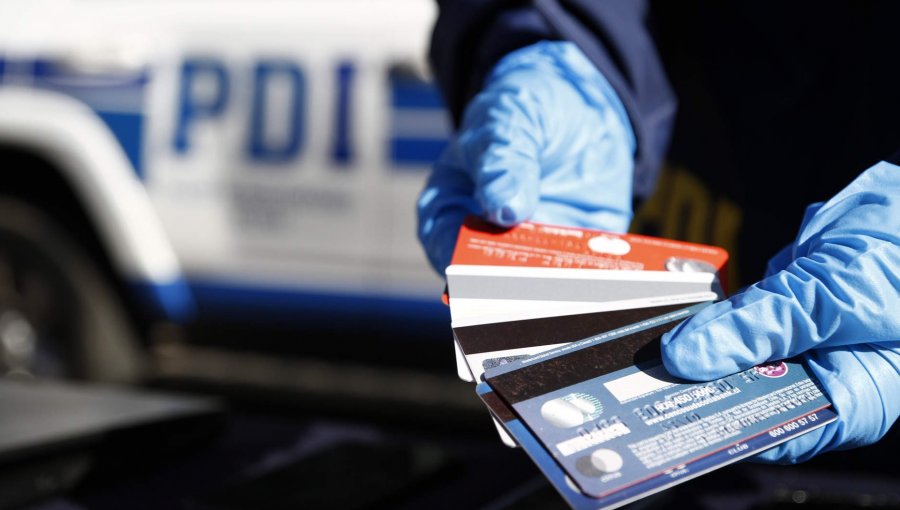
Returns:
<point x="486" y="346"/>
<point x="488" y="311"/>
<point x="549" y="246"/>
<point x="462" y="367"/>
<point x="490" y="295"/>
<point x="620" y="427"/>
<point x="488" y="285"/>
<point x="477" y="291"/>
<point x="567" y="488"/>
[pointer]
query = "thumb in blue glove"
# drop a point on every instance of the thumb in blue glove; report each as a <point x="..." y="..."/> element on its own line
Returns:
<point x="547" y="139"/>
<point x="833" y="297"/>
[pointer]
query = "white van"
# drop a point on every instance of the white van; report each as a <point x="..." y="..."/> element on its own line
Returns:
<point x="186" y="160"/>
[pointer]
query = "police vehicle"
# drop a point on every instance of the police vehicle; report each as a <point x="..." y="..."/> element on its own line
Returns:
<point x="187" y="161"/>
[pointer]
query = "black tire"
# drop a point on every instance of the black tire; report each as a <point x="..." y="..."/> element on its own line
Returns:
<point x="60" y="317"/>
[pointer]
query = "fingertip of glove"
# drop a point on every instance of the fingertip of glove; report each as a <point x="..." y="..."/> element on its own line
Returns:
<point x="678" y="355"/>
<point x="687" y="353"/>
<point x="512" y="211"/>
<point x="506" y="216"/>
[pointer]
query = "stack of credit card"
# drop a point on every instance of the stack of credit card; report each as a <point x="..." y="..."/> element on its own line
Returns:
<point x="560" y="328"/>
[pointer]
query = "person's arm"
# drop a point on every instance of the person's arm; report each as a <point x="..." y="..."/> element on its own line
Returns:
<point x="831" y="297"/>
<point x="471" y="36"/>
<point x="562" y="114"/>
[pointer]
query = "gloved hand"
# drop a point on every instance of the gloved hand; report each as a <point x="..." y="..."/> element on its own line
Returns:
<point x="832" y="296"/>
<point x="547" y="139"/>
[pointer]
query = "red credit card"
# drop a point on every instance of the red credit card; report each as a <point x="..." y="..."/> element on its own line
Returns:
<point x="538" y="245"/>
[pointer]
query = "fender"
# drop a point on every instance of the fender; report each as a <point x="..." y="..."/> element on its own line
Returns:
<point x="71" y="136"/>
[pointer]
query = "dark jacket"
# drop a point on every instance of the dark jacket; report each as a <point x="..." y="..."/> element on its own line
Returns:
<point x="781" y="104"/>
<point x="472" y="35"/>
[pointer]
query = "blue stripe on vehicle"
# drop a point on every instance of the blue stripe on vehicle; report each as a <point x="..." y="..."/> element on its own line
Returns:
<point x="416" y="151"/>
<point x="129" y="129"/>
<point x="116" y="98"/>
<point x="2" y="68"/>
<point x="409" y="93"/>
<point x="243" y="302"/>
<point x="170" y="300"/>
<point x="414" y="93"/>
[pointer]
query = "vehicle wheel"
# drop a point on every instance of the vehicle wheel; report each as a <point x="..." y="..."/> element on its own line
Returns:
<point x="59" y="314"/>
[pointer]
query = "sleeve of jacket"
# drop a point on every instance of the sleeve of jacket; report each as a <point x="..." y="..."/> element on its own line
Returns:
<point x="472" y="35"/>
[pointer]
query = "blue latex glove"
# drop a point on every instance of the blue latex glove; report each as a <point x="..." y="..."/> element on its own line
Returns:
<point x="832" y="296"/>
<point x="547" y="139"/>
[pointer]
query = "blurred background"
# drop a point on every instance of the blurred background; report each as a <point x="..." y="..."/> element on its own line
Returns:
<point x="216" y="199"/>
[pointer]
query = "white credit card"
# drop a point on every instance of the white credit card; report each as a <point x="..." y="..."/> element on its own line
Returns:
<point x="469" y="312"/>
<point x="555" y="284"/>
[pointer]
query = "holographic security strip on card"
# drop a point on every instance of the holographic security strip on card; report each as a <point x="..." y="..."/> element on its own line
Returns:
<point x="620" y="427"/>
